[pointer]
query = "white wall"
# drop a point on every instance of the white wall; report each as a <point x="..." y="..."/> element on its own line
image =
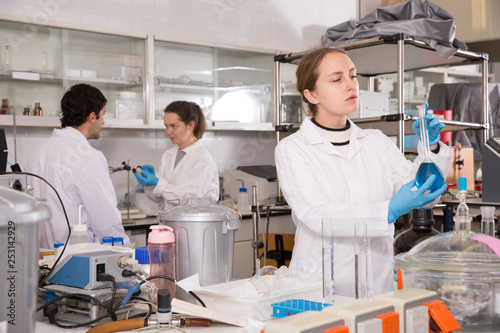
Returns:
<point x="266" y="25"/>
<point x="273" y="25"/>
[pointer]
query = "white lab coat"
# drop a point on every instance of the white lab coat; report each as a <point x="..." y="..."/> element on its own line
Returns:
<point x="319" y="182"/>
<point x="196" y="176"/>
<point x="80" y="175"/>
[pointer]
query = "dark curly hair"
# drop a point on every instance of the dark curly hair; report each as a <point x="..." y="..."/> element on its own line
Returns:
<point x="79" y="102"/>
<point x="189" y="111"/>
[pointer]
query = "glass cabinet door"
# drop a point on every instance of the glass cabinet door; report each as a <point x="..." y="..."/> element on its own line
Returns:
<point x="38" y="64"/>
<point x="30" y="71"/>
<point x="114" y="65"/>
<point x="292" y="109"/>
<point x="182" y="72"/>
<point x="230" y="86"/>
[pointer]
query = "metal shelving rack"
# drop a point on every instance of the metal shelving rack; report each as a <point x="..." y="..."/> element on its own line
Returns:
<point x="394" y="54"/>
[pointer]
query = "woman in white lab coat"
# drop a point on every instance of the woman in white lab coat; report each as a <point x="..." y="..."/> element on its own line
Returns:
<point x="334" y="171"/>
<point x="187" y="170"/>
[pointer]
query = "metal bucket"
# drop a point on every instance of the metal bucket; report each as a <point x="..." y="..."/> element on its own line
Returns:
<point x="204" y="234"/>
<point x="19" y="217"/>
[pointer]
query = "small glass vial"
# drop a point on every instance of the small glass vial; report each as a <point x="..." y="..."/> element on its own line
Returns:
<point x="37" y="110"/>
<point x="26" y="112"/>
<point x="488" y="220"/>
<point x="7" y="66"/>
<point x="5" y="106"/>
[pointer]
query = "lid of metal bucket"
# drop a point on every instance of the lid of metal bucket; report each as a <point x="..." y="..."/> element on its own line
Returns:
<point x="202" y="210"/>
<point x="20" y="207"/>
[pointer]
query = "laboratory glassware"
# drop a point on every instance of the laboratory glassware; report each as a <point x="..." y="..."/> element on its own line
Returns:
<point x="5" y="106"/>
<point x="427" y="167"/>
<point x="488" y="220"/>
<point x="462" y="218"/>
<point x="37" y="110"/>
<point x="161" y="246"/>
<point x="361" y="268"/>
<point x="328" y="261"/>
<point x="421" y="227"/>
<point x="462" y="268"/>
<point x="6" y="58"/>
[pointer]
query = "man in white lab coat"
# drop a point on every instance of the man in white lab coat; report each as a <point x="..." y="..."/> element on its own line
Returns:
<point x="77" y="171"/>
<point x="334" y="174"/>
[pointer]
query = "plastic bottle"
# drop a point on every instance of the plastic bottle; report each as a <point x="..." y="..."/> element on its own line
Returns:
<point x="421" y="227"/>
<point x="79" y="233"/>
<point x="243" y="206"/>
<point x="488" y="220"/>
<point x="161" y="246"/>
<point x="462" y="218"/>
<point x="142" y="256"/>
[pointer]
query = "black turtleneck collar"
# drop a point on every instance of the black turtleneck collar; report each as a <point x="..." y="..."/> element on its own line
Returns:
<point x="347" y="126"/>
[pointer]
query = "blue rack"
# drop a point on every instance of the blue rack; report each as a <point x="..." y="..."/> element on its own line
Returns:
<point x="293" y="306"/>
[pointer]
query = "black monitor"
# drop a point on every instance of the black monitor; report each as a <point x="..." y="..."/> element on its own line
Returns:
<point x="3" y="151"/>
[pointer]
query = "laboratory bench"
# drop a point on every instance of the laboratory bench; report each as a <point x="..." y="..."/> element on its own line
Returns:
<point x="280" y="223"/>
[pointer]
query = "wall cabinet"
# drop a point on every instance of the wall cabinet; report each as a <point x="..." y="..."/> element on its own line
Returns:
<point x="234" y="88"/>
<point x="43" y="64"/>
<point x="138" y="75"/>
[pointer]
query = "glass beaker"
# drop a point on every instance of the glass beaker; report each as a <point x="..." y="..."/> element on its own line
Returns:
<point x="327" y="260"/>
<point x="361" y="268"/>
<point x="427" y="167"/>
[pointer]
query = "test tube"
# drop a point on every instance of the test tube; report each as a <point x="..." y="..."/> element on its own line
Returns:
<point x="328" y="262"/>
<point x="361" y="246"/>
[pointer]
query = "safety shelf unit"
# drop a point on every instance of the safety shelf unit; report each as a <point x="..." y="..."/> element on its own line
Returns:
<point x="393" y="54"/>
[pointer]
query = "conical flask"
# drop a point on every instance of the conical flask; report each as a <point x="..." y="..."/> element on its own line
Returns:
<point x="427" y="167"/>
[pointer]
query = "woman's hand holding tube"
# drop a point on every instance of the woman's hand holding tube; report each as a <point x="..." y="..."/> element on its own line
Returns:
<point x="434" y="127"/>
<point x="147" y="176"/>
<point x="406" y="199"/>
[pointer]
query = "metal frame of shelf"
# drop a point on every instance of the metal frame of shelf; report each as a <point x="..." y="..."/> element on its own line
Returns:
<point x="387" y="55"/>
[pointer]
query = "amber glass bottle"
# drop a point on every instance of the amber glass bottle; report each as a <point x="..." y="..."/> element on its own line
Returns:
<point x="5" y="106"/>
<point x="37" y="110"/>
<point x="421" y="227"/>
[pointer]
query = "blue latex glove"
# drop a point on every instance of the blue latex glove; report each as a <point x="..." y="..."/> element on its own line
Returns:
<point x="405" y="199"/>
<point x="434" y="126"/>
<point x="147" y="176"/>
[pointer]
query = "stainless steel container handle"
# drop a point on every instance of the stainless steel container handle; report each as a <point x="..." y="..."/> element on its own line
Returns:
<point x="227" y="201"/>
<point x="162" y="210"/>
